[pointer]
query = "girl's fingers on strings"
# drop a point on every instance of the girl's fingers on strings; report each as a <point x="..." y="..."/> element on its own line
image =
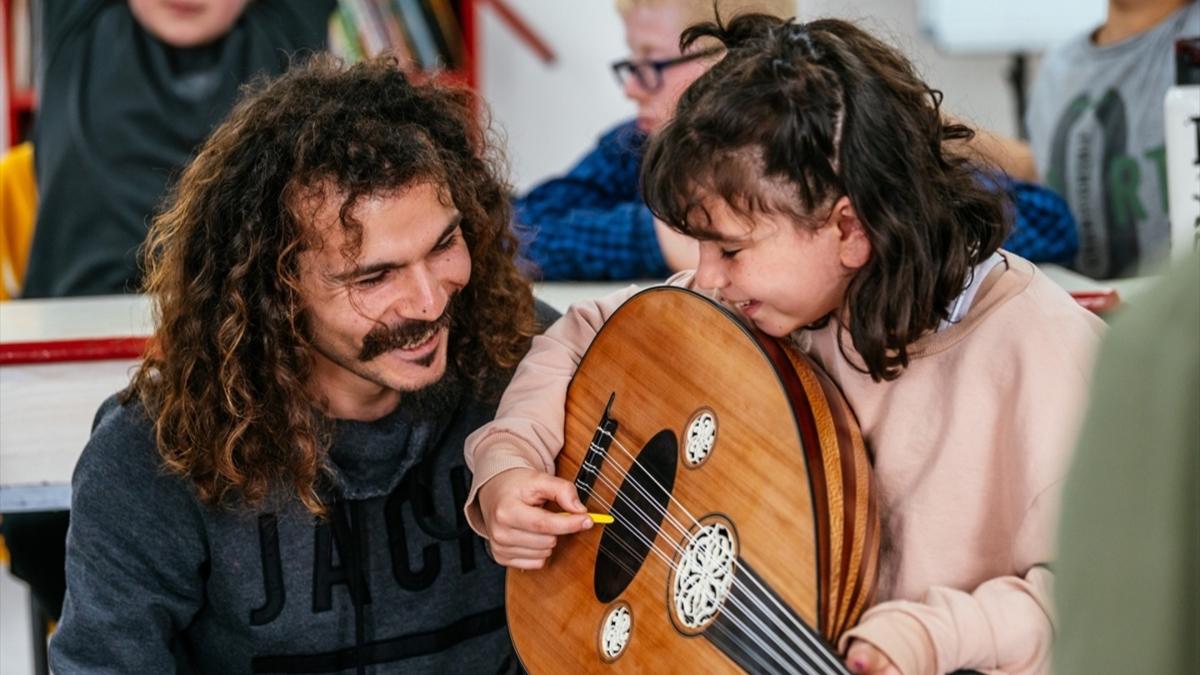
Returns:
<point x="546" y="488"/>
<point x="524" y="563"/>
<point x="505" y="554"/>
<point x="555" y="523"/>
<point x="864" y="658"/>
<point x="513" y="537"/>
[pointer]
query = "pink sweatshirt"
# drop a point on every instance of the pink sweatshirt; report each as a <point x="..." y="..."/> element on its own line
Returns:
<point x="970" y="445"/>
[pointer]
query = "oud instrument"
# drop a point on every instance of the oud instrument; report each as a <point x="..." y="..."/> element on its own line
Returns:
<point x="746" y="529"/>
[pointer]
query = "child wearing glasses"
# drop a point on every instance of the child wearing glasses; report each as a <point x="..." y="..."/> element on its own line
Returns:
<point x="591" y="223"/>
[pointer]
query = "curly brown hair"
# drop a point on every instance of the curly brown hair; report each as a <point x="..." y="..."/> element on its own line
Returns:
<point x="225" y="379"/>
<point x="824" y="109"/>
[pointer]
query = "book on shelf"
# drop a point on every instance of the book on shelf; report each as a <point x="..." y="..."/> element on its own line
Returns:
<point x="423" y="33"/>
<point x="449" y="27"/>
<point x="419" y="31"/>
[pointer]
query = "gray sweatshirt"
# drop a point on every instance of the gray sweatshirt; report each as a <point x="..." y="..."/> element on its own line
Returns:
<point x="158" y="582"/>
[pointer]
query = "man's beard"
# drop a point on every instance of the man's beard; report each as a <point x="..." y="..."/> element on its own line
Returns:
<point x="435" y="398"/>
<point x="384" y="338"/>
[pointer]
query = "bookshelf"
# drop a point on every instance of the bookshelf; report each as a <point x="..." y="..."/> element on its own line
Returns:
<point x="423" y="34"/>
<point x="430" y="35"/>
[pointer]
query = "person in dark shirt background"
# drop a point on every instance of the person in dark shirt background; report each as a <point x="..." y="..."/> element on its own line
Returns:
<point x="128" y="91"/>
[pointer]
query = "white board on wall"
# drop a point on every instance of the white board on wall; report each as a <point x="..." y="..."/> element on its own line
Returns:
<point x="991" y="27"/>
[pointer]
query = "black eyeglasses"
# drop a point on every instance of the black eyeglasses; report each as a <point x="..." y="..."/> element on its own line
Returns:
<point x="649" y="71"/>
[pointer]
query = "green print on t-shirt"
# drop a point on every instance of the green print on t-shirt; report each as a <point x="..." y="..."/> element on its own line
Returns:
<point x="1090" y="135"/>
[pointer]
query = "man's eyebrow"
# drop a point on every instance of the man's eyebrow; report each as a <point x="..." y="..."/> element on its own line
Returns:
<point x="454" y="224"/>
<point x="383" y="265"/>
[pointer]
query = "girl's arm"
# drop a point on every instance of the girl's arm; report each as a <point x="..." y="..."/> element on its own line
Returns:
<point x="1005" y="624"/>
<point x="512" y="458"/>
<point x="528" y="430"/>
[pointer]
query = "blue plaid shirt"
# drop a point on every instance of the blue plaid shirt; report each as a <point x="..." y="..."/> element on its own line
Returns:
<point x="593" y="224"/>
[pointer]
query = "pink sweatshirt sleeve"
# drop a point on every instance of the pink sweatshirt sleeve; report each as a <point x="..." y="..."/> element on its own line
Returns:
<point x="1004" y="625"/>
<point x="528" y="429"/>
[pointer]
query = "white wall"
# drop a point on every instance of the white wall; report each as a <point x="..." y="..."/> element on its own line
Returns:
<point x="16" y="637"/>
<point x="975" y="87"/>
<point x="988" y="27"/>
<point x="553" y="114"/>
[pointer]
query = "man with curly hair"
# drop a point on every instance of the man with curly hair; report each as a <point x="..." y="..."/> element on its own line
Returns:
<point x="337" y="306"/>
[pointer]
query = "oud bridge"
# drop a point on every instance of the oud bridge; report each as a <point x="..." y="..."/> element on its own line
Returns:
<point x="701" y="553"/>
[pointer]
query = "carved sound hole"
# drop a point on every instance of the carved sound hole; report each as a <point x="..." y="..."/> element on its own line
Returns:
<point x="616" y="631"/>
<point x="638" y="512"/>
<point x="701" y="437"/>
<point x="704" y="574"/>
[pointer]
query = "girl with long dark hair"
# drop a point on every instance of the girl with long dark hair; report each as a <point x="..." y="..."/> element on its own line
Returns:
<point x="834" y="210"/>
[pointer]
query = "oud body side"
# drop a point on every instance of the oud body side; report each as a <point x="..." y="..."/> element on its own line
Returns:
<point x="786" y="479"/>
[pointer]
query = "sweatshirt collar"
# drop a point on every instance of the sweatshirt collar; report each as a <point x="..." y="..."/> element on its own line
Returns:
<point x="369" y="459"/>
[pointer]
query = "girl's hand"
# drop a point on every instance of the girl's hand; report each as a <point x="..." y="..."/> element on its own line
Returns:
<point x="521" y="533"/>
<point x="864" y="659"/>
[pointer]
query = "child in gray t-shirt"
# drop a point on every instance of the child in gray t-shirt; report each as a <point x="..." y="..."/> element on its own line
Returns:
<point x="1096" y="128"/>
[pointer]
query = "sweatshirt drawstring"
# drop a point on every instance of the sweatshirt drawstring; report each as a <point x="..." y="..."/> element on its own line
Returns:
<point x="350" y="534"/>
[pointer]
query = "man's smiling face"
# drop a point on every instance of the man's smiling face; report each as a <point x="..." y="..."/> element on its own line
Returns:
<point x="380" y="322"/>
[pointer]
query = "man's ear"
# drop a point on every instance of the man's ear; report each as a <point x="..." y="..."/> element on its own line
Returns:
<point x="854" y="249"/>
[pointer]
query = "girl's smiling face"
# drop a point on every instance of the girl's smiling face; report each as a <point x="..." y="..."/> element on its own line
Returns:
<point x="779" y="274"/>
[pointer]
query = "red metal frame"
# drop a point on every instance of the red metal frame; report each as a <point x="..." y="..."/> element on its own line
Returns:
<point x="522" y="29"/>
<point x="18" y="101"/>
<point x="1099" y="301"/>
<point x="65" y="351"/>
<point x="515" y="22"/>
<point x="470" y="48"/>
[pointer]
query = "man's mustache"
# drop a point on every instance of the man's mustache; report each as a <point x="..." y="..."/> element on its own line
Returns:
<point x="384" y="338"/>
